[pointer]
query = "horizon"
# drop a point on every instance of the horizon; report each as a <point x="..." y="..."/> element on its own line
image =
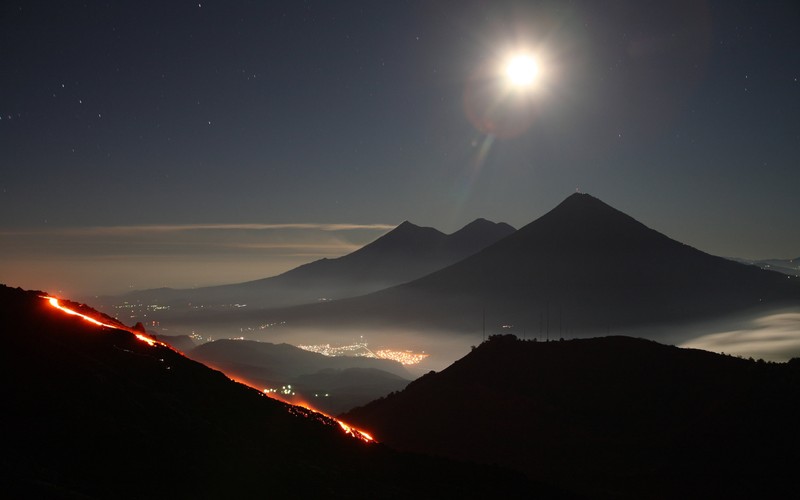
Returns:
<point x="232" y="114"/>
<point x="234" y="262"/>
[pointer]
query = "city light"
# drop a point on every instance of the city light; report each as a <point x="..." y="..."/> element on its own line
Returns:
<point x="360" y="349"/>
<point x="402" y="357"/>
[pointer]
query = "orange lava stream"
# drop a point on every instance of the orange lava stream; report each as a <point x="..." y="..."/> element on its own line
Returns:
<point x="355" y="432"/>
<point x="350" y="430"/>
<point x="55" y="303"/>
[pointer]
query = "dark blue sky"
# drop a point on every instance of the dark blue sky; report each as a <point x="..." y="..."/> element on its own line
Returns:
<point x="685" y="115"/>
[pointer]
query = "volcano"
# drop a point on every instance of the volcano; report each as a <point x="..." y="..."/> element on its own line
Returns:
<point x="582" y="267"/>
<point x="405" y="253"/>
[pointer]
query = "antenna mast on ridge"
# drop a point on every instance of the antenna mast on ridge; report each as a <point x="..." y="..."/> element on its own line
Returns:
<point x="484" y="324"/>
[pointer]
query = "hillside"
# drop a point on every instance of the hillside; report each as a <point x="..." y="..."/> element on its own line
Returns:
<point x="607" y="417"/>
<point x="97" y="413"/>
<point x="336" y="391"/>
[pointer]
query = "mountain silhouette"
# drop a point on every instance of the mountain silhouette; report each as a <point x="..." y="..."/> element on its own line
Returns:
<point x="403" y="254"/>
<point x="282" y="361"/>
<point x="582" y="267"/>
<point x="335" y="391"/>
<point x="181" y="343"/>
<point x="331" y="383"/>
<point x="613" y="417"/>
<point x="93" y="412"/>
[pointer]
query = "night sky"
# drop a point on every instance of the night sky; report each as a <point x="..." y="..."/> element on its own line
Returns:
<point x="173" y="143"/>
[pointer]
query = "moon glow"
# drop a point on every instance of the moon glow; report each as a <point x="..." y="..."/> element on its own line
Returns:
<point x="522" y="70"/>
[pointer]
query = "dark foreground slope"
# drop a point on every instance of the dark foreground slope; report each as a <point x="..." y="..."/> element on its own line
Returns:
<point x="583" y="264"/>
<point x="607" y="417"/>
<point x="92" y="412"/>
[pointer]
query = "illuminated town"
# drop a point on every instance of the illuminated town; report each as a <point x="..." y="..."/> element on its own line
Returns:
<point x="361" y="349"/>
<point x="137" y="311"/>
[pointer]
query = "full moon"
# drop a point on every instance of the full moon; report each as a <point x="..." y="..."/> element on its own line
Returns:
<point x="522" y="70"/>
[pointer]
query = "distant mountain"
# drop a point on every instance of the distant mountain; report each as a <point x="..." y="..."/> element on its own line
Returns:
<point x="582" y="267"/>
<point x="336" y="391"/>
<point x="348" y="381"/>
<point x="403" y="254"/>
<point x="182" y="343"/>
<point x="93" y="412"/>
<point x="613" y="417"/>
<point x="281" y="361"/>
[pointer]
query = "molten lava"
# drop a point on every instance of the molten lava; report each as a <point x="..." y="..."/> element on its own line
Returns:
<point x="348" y="429"/>
<point x="293" y="407"/>
<point x="355" y="432"/>
<point x="55" y="303"/>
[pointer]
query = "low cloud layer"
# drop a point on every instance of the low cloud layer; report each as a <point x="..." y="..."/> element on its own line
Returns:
<point x="113" y="259"/>
<point x="774" y="337"/>
<point x="175" y="228"/>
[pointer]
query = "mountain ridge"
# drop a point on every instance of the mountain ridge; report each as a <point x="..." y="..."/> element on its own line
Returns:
<point x="403" y="254"/>
<point x="583" y="264"/>
<point x="608" y="417"/>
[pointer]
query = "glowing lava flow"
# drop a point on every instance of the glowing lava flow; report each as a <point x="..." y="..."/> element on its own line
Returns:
<point x="55" y="303"/>
<point x="352" y="431"/>
<point x="348" y="429"/>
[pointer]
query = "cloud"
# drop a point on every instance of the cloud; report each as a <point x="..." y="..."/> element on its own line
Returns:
<point x="189" y="239"/>
<point x="173" y="228"/>
<point x="773" y="337"/>
<point x="112" y="258"/>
